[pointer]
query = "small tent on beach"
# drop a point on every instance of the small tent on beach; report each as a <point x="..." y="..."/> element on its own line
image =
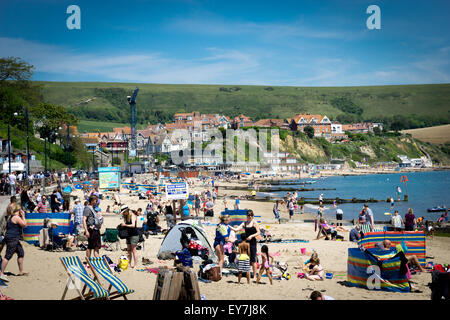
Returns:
<point x="172" y="243"/>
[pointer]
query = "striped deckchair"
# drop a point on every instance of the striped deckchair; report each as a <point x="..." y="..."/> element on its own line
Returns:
<point x="358" y="274"/>
<point x="75" y="269"/>
<point x="100" y="266"/>
<point x="367" y="228"/>
<point x="414" y="241"/>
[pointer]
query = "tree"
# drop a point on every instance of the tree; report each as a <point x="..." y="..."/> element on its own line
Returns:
<point x="116" y="161"/>
<point x="309" y="131"/>
<point x="13" y="68"/>
<point x="48" y="118"/>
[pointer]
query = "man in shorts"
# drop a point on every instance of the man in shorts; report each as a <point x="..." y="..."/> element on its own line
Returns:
<point x="77" y="212"/>
<point x="92" y="223"/>
<point x="291" y="209"/>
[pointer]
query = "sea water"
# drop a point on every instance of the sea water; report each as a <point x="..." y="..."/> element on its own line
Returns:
<point x="425" y="190"/>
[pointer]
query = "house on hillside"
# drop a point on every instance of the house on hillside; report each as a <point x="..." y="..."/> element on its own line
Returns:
<point x="320" y="123"/>
<point x="164" y="143"/>
<point x="241" y="121"/>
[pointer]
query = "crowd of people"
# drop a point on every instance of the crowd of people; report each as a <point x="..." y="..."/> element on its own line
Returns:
<point x="241" y="250"/>
<point x="13" y="183"/>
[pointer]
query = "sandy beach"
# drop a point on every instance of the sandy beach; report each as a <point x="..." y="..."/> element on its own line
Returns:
<point x="47" y="277"/>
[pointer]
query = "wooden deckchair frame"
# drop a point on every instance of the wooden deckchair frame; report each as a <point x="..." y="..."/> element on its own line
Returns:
<point x="81" y="294"/>
<point x="322" y="233"/>
<point x="112" y="294"/>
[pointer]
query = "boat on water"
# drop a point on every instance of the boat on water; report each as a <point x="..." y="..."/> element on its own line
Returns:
<point x="436" y="209"/>
<point x="310" y="181"/>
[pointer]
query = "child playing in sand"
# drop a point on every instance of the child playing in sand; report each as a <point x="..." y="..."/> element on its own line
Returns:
<point x="265" y="266"/>
<point x="244" y="259"/>
<point x="313" y="270"/>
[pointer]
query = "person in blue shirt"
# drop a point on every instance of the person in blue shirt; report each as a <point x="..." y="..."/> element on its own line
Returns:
<point x="355" y="234"/>
<point x="236" y="203"/>
<point x="222" y="234"/>
<point x="186" y="209"/>
<point x="59" y="239"/>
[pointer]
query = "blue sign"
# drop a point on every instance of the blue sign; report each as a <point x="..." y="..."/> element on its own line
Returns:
<point x="109" y="169"/>
<point x="177" y="191"/>
<point x="78" y="186"/>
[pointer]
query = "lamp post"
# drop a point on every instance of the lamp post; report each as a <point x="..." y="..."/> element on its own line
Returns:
<point x="93" y="165"/>
<point x="68" y="147"/>
<point x="28" y="143"/>
<point x="9" y="149"/>
<point x="45" y="153"/>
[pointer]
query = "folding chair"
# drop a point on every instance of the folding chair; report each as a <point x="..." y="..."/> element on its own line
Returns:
<point x="141" y="238"/>
<point x="101" y="266"/>
<point x="111" y="237"/>
<point x="76" y="271"/>
<point x="322" y="233"/>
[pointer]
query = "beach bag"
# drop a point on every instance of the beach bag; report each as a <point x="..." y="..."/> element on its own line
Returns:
<point x="440" y="284"/>
<point x="209" y="213"/>
<point x="122" y="232"/>
<point x="185" y="257"/>
<point x="214" y="274"/>
<point x="123" y="263"/>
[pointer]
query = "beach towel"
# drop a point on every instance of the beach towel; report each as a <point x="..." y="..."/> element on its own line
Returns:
<point x="358" y="271"/>
<point x="412" y="241"/>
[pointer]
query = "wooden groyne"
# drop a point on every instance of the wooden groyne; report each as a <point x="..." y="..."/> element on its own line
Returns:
<point x="304" y="200"/>
<point x="269" y="189"/>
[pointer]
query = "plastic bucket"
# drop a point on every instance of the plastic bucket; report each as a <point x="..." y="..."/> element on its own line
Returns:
<point x="303" y="250"/>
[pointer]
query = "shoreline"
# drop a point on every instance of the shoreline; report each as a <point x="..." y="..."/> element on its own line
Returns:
<point x="333" y="255"/>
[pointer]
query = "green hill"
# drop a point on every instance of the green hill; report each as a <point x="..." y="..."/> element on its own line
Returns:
<point x="106" y="102"/>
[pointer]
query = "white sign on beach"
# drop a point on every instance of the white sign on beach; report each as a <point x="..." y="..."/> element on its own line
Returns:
<point x="177" y="191"/>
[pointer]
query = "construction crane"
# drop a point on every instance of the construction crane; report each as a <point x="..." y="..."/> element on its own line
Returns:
<point x="132" y="103"/>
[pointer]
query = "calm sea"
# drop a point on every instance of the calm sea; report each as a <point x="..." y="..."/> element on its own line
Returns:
<point x="424" y="189"/>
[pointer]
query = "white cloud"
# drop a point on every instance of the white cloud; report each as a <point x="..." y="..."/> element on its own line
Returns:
<point x="257" y="66"/>
<point x="214" y="25"/>
<point x="218" y="65"/>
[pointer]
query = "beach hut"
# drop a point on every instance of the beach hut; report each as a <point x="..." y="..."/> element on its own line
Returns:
<point x="412" y="241"/>
<point x="361" y="274"/>
<point x="171" y="242"/>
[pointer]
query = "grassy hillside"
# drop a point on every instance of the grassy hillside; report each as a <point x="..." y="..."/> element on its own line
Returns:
<point x="436" y="135"/>
<point x="362" y="148"/>
<point x="107" y="101"/>
<point x="101" y="126"/>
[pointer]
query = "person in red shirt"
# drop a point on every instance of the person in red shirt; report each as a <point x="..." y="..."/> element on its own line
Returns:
<point x="42" y="207"/>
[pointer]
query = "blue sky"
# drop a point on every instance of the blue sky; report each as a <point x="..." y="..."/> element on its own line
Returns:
<point x="296" y="43"/>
